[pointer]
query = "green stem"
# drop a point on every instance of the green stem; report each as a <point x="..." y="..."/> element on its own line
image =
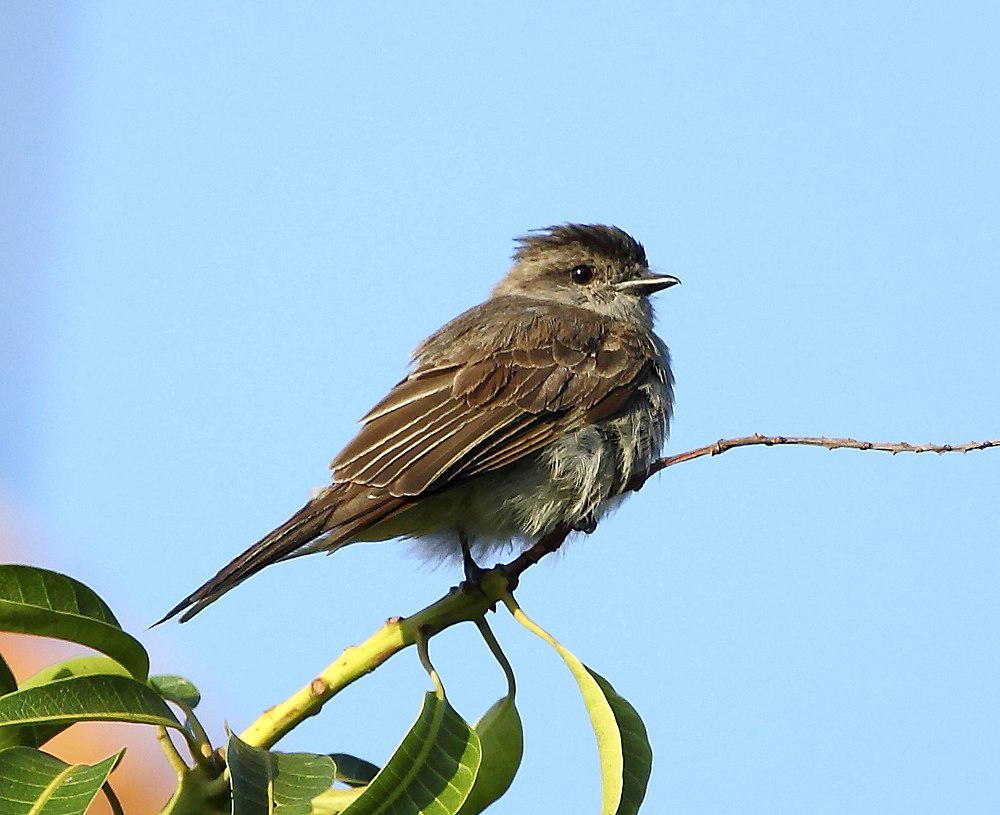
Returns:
<point x="501" y="657"/>
<point x="526" y="621"/>
<point x="199" y="792"/>
<point x="170" y="751"/>
<point x="359" y="660"/>
<point x="425" y="660"/>
<point x="201" y="745"/>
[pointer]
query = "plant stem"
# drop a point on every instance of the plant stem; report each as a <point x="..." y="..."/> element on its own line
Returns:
<point x="355" y="662"/>
<point x="113" y="802"/>
<point x="425" y="660"/>
<point x="527" y="622"/>
<point x="170" y="751"/>
<point x="199" y="792"/>
<point x="501" y="657"/>
<point x="201" y="747"/>
<point x="722" y="445"/>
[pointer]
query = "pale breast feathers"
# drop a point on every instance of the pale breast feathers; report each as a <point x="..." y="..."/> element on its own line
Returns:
<point x="517" y="379"/>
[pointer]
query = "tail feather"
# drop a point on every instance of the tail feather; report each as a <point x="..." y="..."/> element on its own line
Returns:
<point x="331" y="511"/>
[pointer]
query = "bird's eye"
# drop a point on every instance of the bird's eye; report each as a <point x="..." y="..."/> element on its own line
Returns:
<point x="581" y="274"/>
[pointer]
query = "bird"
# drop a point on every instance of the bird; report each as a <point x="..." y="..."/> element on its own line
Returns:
<point x="529" y="413"/>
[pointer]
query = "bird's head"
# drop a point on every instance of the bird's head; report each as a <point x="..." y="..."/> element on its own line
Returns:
<point x="592" y="266"/>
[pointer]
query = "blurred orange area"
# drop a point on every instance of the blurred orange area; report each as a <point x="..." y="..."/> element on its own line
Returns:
<point x="143" y="781"/>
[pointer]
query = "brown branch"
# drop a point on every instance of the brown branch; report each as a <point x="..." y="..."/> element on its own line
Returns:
<point x="551" y="542"/>
<point x="530" y="556"/>
<point x="722" y="445"/>
<point x="493" y="585"/>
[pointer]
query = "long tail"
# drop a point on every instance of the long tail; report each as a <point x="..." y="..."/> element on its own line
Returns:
<point x="339" y="512"/>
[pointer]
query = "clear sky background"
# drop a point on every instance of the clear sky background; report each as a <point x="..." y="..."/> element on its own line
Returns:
<point x="225" y="227"/>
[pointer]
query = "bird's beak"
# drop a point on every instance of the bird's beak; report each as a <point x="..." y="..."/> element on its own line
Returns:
<point x="649" y="283"/>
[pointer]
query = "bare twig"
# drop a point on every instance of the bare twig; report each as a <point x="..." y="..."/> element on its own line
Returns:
<point x="496" y="584"/>
<point x="722" y="445"/>
<point x="551" y="542"/>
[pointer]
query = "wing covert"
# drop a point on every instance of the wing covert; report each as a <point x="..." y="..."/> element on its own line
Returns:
<point x="452" y="419"/>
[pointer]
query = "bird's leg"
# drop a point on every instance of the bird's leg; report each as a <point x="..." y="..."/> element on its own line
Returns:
<point x="473" y="571"/>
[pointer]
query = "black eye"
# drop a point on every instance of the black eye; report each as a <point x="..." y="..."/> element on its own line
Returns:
<point x="581" y="274"/>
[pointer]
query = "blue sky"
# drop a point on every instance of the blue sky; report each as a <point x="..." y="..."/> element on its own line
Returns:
<point x="225" y="228"/>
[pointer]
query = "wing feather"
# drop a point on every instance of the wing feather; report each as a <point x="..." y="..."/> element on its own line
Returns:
<point x="392" y="429"/>
<point x="533" y="438"/>
<point x="373" y="467"/>
<point x="478" y="401"/>
<point x="424" y="472"/>
<point x="419" y="384"/>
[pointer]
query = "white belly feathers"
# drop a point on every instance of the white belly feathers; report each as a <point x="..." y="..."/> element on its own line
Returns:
<point x="575" y="481"/>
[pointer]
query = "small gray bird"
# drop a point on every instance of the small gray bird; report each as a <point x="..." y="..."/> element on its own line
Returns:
<point x="529" y="413"/>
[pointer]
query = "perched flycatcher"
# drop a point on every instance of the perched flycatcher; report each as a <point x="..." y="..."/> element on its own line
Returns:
<point x="529" y="413"/>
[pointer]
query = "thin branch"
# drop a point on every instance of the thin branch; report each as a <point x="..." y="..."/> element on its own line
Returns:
<point x="495" y="585"/>
<point x="722" y="445"/>
<point x="530" y="556"/>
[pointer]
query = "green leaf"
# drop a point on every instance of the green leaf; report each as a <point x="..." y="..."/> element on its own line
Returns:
<point x="622" y="744"/>
<point x="10" y="736"/>
<point x="502" y="739"/>
<point x="177" y="689"/>
<point x="7" y="681"/>
<point x="625" y="754"/>
<point x="36" y="783"/>
<point x="637" y="754"/>
<point x="86" y="698"/>
<point x="335" y="801"/>
<point x="78" y="666"/>
<point x="354" y="771"/>
<point x="81" y="666"/>
<point x="432" y="770"/>
<point x="49" y="604"/>
<point x="279" y="783"/>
